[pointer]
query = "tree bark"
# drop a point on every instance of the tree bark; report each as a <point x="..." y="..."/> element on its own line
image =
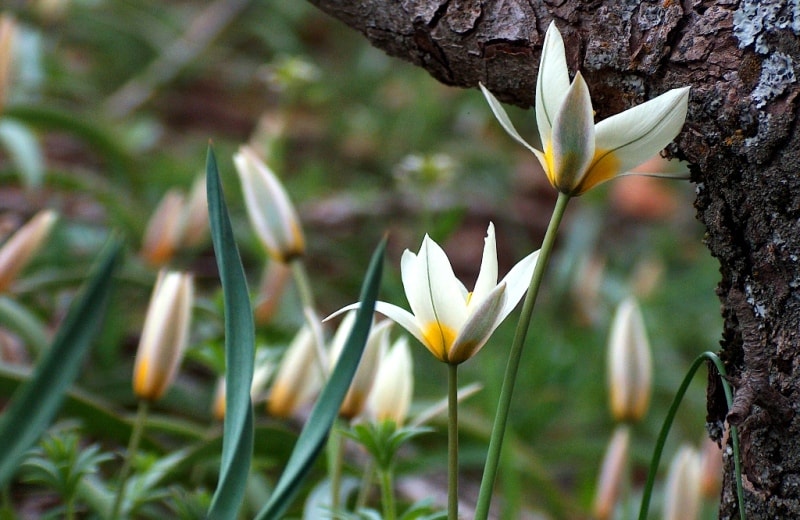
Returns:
<point x="742" y="136"/>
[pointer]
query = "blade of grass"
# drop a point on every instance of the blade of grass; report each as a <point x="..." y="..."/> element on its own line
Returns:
<point x="315" y="432"/>
<point x="237" y="443"/>
<point x="36" y="403"/>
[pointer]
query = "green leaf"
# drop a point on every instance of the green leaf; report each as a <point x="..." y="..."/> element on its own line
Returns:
<point x="35" y="403"/>
<point x="316" y="429"/>
<point x="237" y="443"/>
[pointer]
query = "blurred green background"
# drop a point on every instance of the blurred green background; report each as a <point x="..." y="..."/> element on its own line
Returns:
<point x="114" y="102"/>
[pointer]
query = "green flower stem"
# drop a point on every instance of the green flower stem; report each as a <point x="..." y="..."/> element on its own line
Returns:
<point x="387" y="494"/>
<point x="507" y="391"/>
<point x="307" y="301"/>
<point x="335" y="459"/>
<point x="452" y="442"/>
<point x="133" y="447"/>
<point x="367" y="477"/>
<point x="662" y="436"/>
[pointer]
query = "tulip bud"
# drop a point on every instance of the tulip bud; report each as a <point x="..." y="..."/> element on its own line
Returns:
<point x="391" y="393"/>
<point x="611" y="475"/>
<point x="711" y="470"/>
<point x="682" y="492"/>
<point x="271" y="212"/>
<point x="165" y="335"/>
<point x="218" y="405"/>
<point x="22" y="245"/>
<point x="263" y="371"/>
<point x="195" y="215"/>
<point x="270" y="291"/>
<point x="377" y="342"/>
<point x="299" y="377"/>
<point x="164" y="230"/>
<point x="8" y="28"/>
<point x="629" y="364"/>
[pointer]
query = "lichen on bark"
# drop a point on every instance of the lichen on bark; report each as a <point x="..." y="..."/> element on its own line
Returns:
<point x="742" y="137"/>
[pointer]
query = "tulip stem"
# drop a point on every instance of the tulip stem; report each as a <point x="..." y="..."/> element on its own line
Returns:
<point x="452" y="442"/>
<point x="307" y="301"/>
<point x="515" y="354"/>
<point x="133" y="447"/>
<point x="665" y="427"/>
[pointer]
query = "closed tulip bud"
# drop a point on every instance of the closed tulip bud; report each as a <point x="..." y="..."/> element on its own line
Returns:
<point x="356" y="398"/>
<point x="682" y="492"/>
<point x="614" y="467"/>
<point x="218" y="405"/>
<point x="195" y="215"/>
<point x="261" y="374"/>
<point x="299" y="377"/>
<point x="165" y="335"/>
<point x="629" y="364"/>
<point x="22" y="245"/>
<point x="271" y="212"/>
<point x="164" y="230"/>
<point x="8" y="28"/>
<point x="711" y="470"/>
<point x="390" y="398"/>
<point x="270" y="291"/>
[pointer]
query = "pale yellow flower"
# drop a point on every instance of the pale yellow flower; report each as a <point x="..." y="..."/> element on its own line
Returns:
<point x="271" y="212"/>
<point x="682" y="491"/>
<point x="22" y="245"/>
<point x="8" y="29"/>
<point x="390" y="397"/>
<point x="576" y="154"/>
<point x="452" y="322"/>
<point x="612" y="472"/>
<point x="299" y="377"/>
<point x="630" y="370"/>
<point x="363" y="380"/>
<point x="164" y="336"/>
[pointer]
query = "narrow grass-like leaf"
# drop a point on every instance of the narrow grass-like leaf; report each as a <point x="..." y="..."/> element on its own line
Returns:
<point x="237" y="443"/>
<point x="36" y="402"/>
<point x="315" y="432"/>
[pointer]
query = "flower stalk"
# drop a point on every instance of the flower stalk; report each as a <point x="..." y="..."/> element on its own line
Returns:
<point x="452" y="442"/>
<point x="515" y="354"/>
<point x="133" y="447"/>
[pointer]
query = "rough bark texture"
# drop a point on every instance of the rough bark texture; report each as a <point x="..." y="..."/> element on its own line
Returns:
<point x="741" y="60"/>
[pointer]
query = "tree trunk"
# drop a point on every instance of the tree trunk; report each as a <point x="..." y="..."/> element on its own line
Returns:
<point x="741" y="136"/>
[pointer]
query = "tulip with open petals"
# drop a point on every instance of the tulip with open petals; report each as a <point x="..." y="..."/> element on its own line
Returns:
<point x="577" y="154"/>
<point x="453" y="323"/>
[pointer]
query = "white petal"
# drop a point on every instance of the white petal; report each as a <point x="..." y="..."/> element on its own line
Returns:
<point x="446" y="295"/>
<point x="517" y="281"/>
<point x="403" y="318"/>
<point x="573" y="138"/>
<point x="487" y="277"/>
<point x="552" y="83"/>
<point x="478" y="327"/>
<point x="637" y="134"/>
<point x="658" y="166"/>
<point x="504" y="120"/>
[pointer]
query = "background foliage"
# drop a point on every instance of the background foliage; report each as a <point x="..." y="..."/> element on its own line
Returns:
<point x="74" y="138"/>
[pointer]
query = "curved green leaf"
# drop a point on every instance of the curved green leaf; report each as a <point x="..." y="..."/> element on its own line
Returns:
<point x="316" y="429"/>
<point x="35" y="403"/>
<point x="237" y="444"/>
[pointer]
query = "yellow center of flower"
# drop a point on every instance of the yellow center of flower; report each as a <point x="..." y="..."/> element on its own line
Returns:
<point x="145" y="384"/>
<point x="605" y="166"/>
<point x="439" y="338"/>
<point x="548" y="159"/>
